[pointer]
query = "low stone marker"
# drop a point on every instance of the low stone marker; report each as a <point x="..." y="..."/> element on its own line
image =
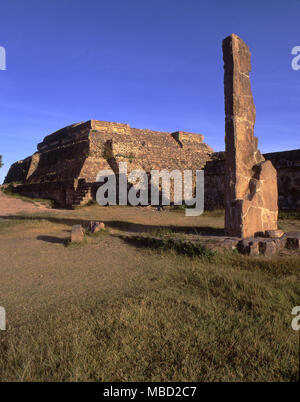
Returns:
<point x="293" y="240"/>
<point x="269" y="246"/>
<point x="249" y="246"/>
<point x="77" y="234"/>
<point x="256" y="245"/>
<point x="274" y="233"/>
<point x="95" y="227"/>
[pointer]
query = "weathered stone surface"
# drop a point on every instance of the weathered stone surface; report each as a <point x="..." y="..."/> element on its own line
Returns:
<point x="249" y="246"/>
<point x="286" y="163"/>
<point x="260" y="245"/>
<point x="293" y="240"/>
<point x="66" y="165"/>
<point x="95" y="227"/>
<point x="250" y="181"/>
<point x="274" y="233"/>
<point x="268" y="247"/>
<point x="77" y="233"/>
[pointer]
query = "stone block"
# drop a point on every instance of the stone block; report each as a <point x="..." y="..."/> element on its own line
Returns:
<point x="77" y="234"/>
<point x="249" y="246"/>
<point x="293" y="240"/>
<point x="268" y="247"/>
<point x="259" y="245"/>
<point x="95" y="227"/>
<point x="274" y="233"/>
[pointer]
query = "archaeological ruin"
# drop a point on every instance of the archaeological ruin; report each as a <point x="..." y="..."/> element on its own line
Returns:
<point x="65" y="166"/>
<point x="241" y="179"/>
<point x="67" y="162"/>
<point x="250" y="180"/>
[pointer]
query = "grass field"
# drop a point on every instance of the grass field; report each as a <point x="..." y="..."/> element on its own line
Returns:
<point x="111" y="311"/>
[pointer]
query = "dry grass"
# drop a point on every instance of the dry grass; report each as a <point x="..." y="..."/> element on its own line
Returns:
<point x="109" y="311"/>
<point x="9" y="191"/>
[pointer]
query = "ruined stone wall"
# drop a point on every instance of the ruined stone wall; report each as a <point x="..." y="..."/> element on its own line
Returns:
<point x="214" y="182"/>
<point x="18" y="171"/>
<point x="60" y="157"/>
<point x="77" y="153"/>
<point x="287" y="164"/>
<point x="69" y="159"/>
<point x="143" y="149"/>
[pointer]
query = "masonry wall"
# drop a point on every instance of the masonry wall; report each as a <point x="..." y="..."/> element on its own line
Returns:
<point x="76" y="154"/>
<point x="18" y="171"/>
<point x="287" y="164"/>
<point x="143" y="149"/>
<point x="67" y="162"/>
<point x="214" y="182"/>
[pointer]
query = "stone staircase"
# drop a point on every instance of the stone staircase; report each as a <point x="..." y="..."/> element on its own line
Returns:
<point x="82" y="194"/>
<point x="82" y="197"/>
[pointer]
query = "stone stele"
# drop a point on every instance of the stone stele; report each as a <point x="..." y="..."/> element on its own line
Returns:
<point x="250" y="180"/>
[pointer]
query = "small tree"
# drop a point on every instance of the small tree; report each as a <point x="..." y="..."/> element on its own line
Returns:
<point x="1" y="164"/>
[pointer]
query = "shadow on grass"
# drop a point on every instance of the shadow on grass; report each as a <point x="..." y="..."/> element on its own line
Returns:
<point x="52" y="239"/>
<point x="124" y="226"/>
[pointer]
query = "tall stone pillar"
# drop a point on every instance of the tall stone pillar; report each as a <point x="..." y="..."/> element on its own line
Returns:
<point x="250" y="180"/>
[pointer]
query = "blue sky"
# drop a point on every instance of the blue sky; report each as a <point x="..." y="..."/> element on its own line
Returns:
<point x="154" y="64"/>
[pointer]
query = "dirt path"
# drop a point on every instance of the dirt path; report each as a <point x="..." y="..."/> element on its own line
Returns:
<point x="11" y="206"/>
<point x="37" y="270"/>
